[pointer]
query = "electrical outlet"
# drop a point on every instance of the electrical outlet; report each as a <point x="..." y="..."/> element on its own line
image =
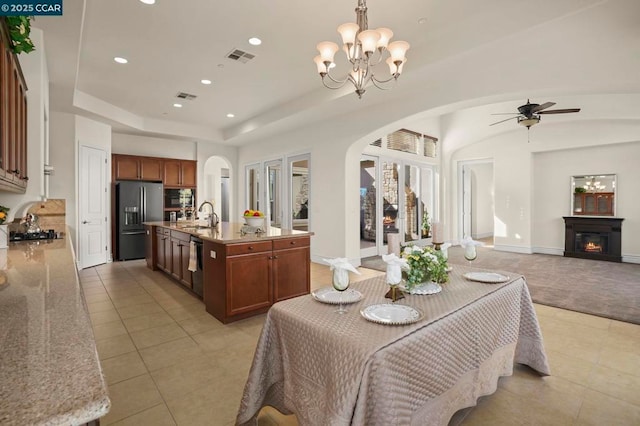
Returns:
<point x="213" y="254"/>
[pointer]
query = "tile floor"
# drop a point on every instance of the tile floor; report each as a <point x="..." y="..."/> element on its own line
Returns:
<point x="168" y="362"/>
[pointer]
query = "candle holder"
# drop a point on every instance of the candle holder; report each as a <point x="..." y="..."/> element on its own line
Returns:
<point x="394" y="293"/>
<point x="436" y="246"/>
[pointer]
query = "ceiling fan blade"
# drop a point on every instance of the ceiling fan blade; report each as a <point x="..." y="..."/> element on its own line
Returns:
<point x="505" y="113"/>
<point x="502" y="121"/>
<point x="542" y="106"/>
<point x="560" y="111"/>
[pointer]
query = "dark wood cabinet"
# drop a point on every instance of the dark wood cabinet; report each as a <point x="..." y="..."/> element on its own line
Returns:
<point x="133" y="167"/>
<point x="163" y="245"/>
<point x="245" y="279"/>
<point x="150" y="244"/>
<point x="13" y="119"/>
<point x="593" y="203"/>
<point x="180" y="173"/>
<point x="291" y="268"/>
<point x="180" y="258"/>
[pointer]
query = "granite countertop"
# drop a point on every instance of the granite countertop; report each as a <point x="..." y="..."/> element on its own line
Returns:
<point x="49" y="368"/>
<point x="229" y="232"/>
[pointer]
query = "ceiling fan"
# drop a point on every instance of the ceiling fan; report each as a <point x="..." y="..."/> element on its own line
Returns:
<point x="529" y="114"/>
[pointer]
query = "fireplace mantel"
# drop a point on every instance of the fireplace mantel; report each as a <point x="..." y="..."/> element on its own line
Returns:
<point x="603" y="235"/>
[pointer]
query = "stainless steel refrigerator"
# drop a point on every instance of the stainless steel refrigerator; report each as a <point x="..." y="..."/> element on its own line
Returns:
<point x="136" y="202"/>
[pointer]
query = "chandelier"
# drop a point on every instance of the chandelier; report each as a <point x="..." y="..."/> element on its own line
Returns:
<point x="365" y="49"/>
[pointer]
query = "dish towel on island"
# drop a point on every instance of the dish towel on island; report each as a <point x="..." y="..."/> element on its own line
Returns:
<point x="193" y="258"/>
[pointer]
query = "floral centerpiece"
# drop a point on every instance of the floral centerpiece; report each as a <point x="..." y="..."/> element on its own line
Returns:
<point x="425" y="264"/>
<point x="4" y="214"/>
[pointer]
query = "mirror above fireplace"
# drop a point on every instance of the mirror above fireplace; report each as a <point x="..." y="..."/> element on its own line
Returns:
<point x="593" y="195"/>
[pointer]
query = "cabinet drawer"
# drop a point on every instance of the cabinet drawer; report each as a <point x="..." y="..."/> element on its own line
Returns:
<point x="248" y="248"/>
<point x="290" y="243"/>
<point x="180" y="236"/>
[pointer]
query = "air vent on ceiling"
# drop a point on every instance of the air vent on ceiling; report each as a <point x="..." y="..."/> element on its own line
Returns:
<point x="240" y="56"/>
<point x="185" y="95"/>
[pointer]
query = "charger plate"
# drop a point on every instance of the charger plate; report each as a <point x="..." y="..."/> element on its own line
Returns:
<point x="334" y="297"/>
<point x="486" y="277"/>
<point x="391" y="314"/>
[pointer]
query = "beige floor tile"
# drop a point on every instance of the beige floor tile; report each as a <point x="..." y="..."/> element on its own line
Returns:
<point x="201" y="323"/>
<point x="100" y="306"/>
<point x="625" y="328"/>
<point x="170" y="353"/>
<point x="104" y="316"/>
<point x="627" y="362"/>
<point x="97" y="297"/>
<point x="219" y="401"/>
<point x="94" y="291"/>
<point x="154" y="416"/>
<point x="184" y="377"/>
<point x="623" y="342"/>
<point x="220" y="339"/>
<point x="590" y="335"/>
<point x="191" y="311"/>
<point x="178" y="301"/>
<point x="131" y="397"/>
<point x="616" y="384"/>
<point x="123" y="367"/>
<point x="157" y="335"/>
<point x="144" y="322"/>
<point x="139" y="310"/>
<point x="269" y="416"/>
<point x="552" y="392"/>
<point x="114" y="346"/>
<point x="97" y="283"/>
<point x="583" y="319"/>
<point x="570" y="368"/>
<point x="599" y="409"/>
<point x="120" y="301"/>
<point x="544" y="310"/>
<point x="573" y="346"/>
<point x="109" y="329"/>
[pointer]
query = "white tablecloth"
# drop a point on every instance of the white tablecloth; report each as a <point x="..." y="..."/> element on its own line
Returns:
<point x="342" y="369"/>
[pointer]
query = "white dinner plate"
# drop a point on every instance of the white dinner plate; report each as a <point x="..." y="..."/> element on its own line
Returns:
<point x="334" y="297"/>
<point x="486" y="277"/>
<point x="391" y="314"/>
<point x="424" y="288"/>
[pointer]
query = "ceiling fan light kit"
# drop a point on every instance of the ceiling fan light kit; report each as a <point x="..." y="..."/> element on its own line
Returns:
<point x="365" y="49"/>
<point x="529" y="114"/>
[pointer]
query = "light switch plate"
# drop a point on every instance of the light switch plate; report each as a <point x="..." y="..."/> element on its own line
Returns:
<point x="213" y="254"/>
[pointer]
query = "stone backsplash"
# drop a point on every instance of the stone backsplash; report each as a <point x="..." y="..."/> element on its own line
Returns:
<point x="51" y="215"/>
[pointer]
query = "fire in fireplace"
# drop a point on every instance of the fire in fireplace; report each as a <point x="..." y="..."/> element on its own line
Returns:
<point x="590" y="246"/>
<point x="592" y="242"/>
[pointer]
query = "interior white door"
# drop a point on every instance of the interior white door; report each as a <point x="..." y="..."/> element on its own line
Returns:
<point x="92" y="225"/>
<point x="466" y="201"/>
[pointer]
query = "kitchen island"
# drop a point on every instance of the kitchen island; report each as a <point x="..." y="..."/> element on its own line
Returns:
<point x="49" y="368"/>
<point x="243" y="274"/>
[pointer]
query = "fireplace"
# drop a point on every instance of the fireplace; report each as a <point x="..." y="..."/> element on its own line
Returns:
<point x="593" y="238"/>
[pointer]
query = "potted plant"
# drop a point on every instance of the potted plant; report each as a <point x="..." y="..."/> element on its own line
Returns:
<point x="19" y="31"/>
<point x="580" y="190"/>
<point x="426" y="227"/>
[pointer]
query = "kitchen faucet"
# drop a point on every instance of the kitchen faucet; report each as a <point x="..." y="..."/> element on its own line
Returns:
<point x="210" y="219"/>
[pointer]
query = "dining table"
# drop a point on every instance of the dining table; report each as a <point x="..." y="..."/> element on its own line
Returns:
<point x="357" y="369"/>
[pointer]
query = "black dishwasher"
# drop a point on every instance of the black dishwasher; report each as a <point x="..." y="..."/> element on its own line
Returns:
<point x="197" y="274"/>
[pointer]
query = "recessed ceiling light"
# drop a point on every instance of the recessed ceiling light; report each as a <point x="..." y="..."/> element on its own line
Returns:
<point x="230" y="115"/>
<point x="205" y="81"/>
<point x="148" y="1"/>
<point x="422" y="21"/>
<point x="177" y="105"/>
<point x="120" y="60"/>
<point x="255" y="41"/>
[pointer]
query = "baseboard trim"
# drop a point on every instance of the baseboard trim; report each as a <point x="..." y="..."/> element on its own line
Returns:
<point x="513" y="249"/>
<point x="549" y="250"/>
<point x="629" y="258"/>
<point x="483" y="235"/>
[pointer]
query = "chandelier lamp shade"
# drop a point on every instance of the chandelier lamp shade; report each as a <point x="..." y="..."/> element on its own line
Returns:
<point x="365" y="49"/>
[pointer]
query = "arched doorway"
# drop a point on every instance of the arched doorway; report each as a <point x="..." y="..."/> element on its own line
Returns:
<point x="218" y="187"/>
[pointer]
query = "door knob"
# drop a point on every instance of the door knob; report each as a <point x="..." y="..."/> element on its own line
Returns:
<point x="84" y="222"/>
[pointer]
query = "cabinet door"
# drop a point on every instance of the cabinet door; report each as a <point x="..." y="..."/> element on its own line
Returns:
<point x="126" y="167"/>
<point x="150" y="169"/>
<point x="171" y="173"/>
<point x="188" y="173"/>
<point x="149" y="248"/>
<point x="291" y="273"/>
<point x="248" y="283"/>
<point x="176" y="258"/>
<point x="185" y="275"/>
<point x="160" y="250"/>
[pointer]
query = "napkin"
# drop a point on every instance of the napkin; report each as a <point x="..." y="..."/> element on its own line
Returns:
<point x="444" y="250"/>
<point x="395" y="265"/>
<point x="341" y="267"/>
<point x="469" y="245"/>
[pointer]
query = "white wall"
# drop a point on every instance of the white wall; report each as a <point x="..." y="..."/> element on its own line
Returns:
<point x="481" y="200"/>
<point x="152" y="147"/>
<point x="212" y="182"/>
<point x="62" y="183"/>
<point x="552" y="172"/>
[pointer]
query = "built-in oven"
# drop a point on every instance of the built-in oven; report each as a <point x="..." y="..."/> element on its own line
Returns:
<point x="178" y="198"/>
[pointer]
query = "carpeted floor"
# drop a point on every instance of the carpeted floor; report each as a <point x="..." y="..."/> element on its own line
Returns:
<point x="606" y="289"/>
